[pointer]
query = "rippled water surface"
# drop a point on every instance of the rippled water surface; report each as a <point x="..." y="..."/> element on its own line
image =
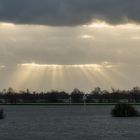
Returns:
<point x="66" y="123"/>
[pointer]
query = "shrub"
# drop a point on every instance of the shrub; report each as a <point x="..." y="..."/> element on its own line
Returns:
<point x="124" y="110"/>
<point x="1" y="113"/>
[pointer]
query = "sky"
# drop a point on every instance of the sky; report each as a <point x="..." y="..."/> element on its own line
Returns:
<point x="67" y="44"/>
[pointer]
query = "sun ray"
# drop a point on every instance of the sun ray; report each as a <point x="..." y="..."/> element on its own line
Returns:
<point x="62" y="76"/>
<point x="106" y="75"/>
<point x="95" y="76"/>
<point x="20" y="76"/>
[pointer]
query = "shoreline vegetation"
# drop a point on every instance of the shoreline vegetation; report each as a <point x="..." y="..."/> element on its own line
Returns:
<point x="76" y="97"/>
<point x="1" y="114"/>
<point x="124" y="110"/>
<point x="63" y="104"/>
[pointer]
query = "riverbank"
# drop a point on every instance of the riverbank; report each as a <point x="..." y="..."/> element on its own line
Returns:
<point x="63" y="104"/>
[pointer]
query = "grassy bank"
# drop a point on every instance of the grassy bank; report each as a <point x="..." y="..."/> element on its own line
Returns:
<point x="47" y="104"/>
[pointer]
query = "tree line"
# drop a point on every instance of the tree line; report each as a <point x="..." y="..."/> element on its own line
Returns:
<point x="76" y="96"/>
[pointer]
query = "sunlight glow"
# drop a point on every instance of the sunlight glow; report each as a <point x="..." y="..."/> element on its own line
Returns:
<point x="91" y="41"/>
<point x="103" y="24"/>
<point x="96" y="67"/>
<point x="58" y="76"/>
<point x="135" y="37"/>
<point x="2" y="66"/>
<point x="62" y="77"/>
<point x="87" y="36"/>
<point x="6" y="25"/>
<point x="97" y="24"/>
<point x="40" y="65"/>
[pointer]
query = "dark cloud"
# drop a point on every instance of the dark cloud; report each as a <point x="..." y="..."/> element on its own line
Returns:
<point x="69" y="12"/>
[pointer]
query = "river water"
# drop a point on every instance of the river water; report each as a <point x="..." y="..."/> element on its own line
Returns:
<point x="66" y="123"/>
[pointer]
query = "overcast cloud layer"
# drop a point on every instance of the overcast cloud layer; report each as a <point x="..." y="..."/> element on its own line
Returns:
<point x="69" y="12"/>
<point x="42" y="48"/>
<point x="66" y="46"/>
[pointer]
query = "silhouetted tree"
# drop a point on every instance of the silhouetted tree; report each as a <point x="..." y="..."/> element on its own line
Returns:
<point x="77" y="96"/>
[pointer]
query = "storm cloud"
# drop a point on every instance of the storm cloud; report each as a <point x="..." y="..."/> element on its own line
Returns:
<point x="69" y="12"/>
